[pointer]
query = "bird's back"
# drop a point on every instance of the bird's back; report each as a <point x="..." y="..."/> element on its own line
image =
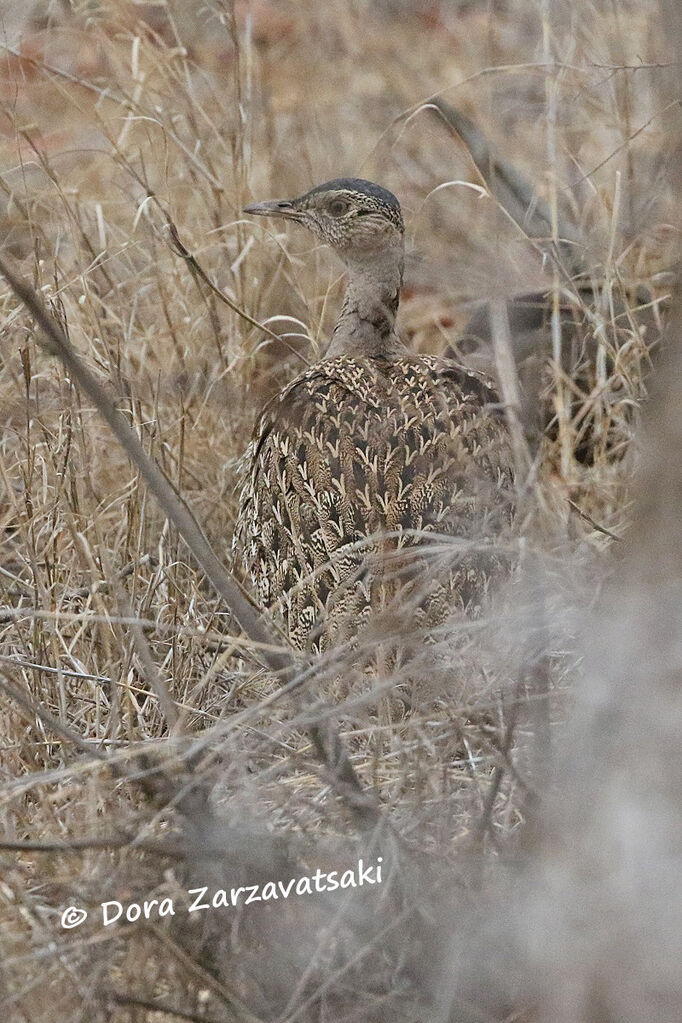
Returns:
<point x="358" y="474"/>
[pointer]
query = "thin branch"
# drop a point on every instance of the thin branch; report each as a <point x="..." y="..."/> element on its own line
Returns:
<point x="595" y="525"/>
<point x="204" y="977"/>
<point x="198" y="272"/>
<point x="196" y="269"/>
<point x="517" y="195"/>
<point x="164" y="1007"/>
<point x="35" y="710"/>
<point x="485" y="821"/>
<point x="106" y="842"/>
<point x="509" y="385"/>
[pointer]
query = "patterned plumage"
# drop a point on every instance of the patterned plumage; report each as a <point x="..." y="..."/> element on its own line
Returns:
<point x="361" y="469"/>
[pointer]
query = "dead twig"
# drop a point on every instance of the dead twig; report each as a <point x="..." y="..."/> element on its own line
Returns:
<point x="36" y="711"/>
<point x="595" y="525"/>
<point x="509" y="386"/>
<point x="515" y="194"/>
<point x="199" y="274"/>
<point x="157" y="1006"/>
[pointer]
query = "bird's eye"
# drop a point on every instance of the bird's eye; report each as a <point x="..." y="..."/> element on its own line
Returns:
<point x="338" y="207"/>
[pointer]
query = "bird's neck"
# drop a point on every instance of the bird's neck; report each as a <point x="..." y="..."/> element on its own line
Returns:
<point x="366" y="323"/>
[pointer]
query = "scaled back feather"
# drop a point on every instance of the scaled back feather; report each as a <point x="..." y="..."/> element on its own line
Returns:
<point x="377" y="479"/>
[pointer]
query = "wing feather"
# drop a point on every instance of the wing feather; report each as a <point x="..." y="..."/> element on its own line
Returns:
<point x="347" y="467"/>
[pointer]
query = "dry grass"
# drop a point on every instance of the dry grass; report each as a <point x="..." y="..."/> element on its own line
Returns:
<point x="119" y="118"/>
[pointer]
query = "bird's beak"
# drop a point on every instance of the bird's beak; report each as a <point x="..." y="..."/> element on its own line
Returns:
<point x="285" y="209"/>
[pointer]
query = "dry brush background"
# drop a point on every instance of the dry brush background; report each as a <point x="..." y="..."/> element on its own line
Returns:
<point x="527" y="801"/>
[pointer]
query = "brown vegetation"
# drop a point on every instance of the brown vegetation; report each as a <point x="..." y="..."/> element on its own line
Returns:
<point x="148" y="745"/>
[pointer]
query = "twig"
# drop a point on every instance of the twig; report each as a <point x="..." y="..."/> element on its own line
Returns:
<point x="197" y="271"/>
<point x="595" y="525"/>
<point x="484" y="823"/>
<point x="518" y="196"/>
<point x="81" y="844"/>
<point x="509" y="385"/>
<point x="164" y="1007"/>
<point x="204" y="977"/>
<point x="35" y="710"/>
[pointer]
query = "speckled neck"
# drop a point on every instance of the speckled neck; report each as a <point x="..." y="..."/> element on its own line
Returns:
<point x="366" y="323"/>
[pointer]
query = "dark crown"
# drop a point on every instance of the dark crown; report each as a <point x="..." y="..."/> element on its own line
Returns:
<point x="360" y="187"/>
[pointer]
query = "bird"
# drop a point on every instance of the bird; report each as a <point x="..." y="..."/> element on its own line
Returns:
<point x="376" y="480"/>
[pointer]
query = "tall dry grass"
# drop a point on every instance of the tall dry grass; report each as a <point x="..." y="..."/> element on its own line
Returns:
<point x="145" y="748"/>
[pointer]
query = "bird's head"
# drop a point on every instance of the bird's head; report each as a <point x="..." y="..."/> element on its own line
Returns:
<point x="357" y="218"/>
